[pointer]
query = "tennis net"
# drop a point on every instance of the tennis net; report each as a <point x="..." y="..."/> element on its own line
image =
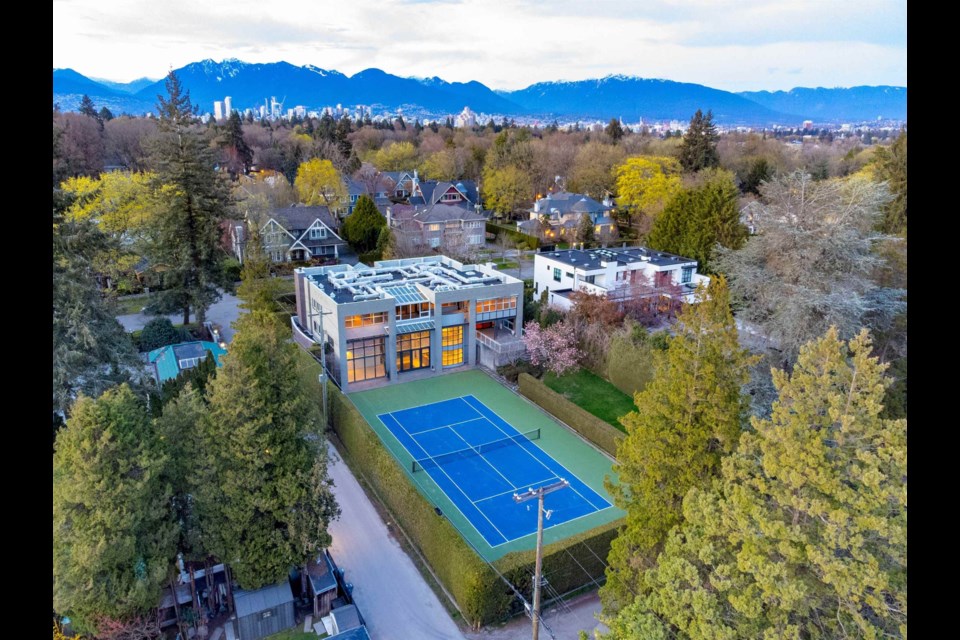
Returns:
<point x="437" y="460"/>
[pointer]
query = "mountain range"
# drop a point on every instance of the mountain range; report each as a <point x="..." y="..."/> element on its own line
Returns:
<point x="627" y="97"/>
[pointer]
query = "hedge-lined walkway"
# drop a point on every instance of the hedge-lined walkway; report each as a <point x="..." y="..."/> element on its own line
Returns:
<point x="565" y="447"/>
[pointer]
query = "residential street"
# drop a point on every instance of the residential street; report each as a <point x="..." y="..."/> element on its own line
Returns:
<point x="222" y="313"/>
<point x="565" y="624"/>
<point x="393" y="598"/>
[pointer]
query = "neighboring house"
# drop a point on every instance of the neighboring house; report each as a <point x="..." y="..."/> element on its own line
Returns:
<point x="437" y="225"/>
<point x="233" y="237"/>
<point x="619" y="273"/>
<point x="463" y="193"/>
<point x="383" y="324"/>
<point x="264" y="612"/>
<point x="300" y="233"/>
<point x="557" y="217"/>
<point x="170" y="360"/>
<point x="400" y="183"/>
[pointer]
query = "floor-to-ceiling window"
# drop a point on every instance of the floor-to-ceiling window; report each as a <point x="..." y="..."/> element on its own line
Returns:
<point x="413" y="351"/>
<point x="366" y="359"/>
<point x="452" y="345"/>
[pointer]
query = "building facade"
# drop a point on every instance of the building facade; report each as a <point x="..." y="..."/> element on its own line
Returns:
<point x="301" y="233"/>
<point x="558" y="217"/>
<point x="620" y="273"/>
<point x="405" y="319"/>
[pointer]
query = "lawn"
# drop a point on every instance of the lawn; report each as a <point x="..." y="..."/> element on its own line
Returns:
<point x="592" y="393"/>
<point x="127" y="305"/>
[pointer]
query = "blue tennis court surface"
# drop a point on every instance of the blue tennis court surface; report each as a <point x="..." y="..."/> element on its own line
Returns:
<point x="479" y="461"/>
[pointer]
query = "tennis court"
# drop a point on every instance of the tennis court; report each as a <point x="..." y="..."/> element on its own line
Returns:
<point x="480" y="461"/>
<point x="467" y="444"/>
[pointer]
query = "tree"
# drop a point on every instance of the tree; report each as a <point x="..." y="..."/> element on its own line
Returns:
<point x="157" y="333"/>
<point x="91" y="351"/>
<point x="554" y="347"/>
<point x="592" y="170"/>
<point x="87" y="108"/>
<point x="319" y="182"/>
<point x="699" y="147"/>
<point x="113" y="532"/>
<point x="585" y="232"/>
<point x="399" y="156"/>
<point x="812" y="262"/>
<point x="614" y="130"/>
<point x="187" y="235"/>
<point x="804" y="536"/>
<point x="700" y="218"/>
<point x="258" y="291"/>
<point x="238" y="155"/>
<point x="104" y="115"/>
<point x="362" y="227"/>
<point x="687" y="418"/>
<point x="646" y="184"/>
<point x="506" y="190"/>
<point x="260" y="440"/>
<point x="891" y="167"/>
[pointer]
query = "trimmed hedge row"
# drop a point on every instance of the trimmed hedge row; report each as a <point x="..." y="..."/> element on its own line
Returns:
<point x="532" y="241"/>
<point x="481" y="596"/>
<point x="583" y="422"/>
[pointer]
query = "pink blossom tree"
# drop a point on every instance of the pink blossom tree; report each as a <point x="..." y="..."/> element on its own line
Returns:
<point x="554" y="348"/>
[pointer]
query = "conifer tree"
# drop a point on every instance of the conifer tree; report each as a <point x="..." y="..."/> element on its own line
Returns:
<point x="114" y="536"/>
<point x="698" y="150"/>
<point x="804" y="536"/>
<point x="257" y="499"/>
<point x="362" y="227"/>
<point x="585" y="231"/>
<point x="187" y="234"/>
<point x="686" y="419"/>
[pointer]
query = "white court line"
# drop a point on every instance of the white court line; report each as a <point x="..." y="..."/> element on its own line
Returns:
<point x="489" y="464"/>
<point x="533" y="456"/>
<point x="455" y="505"/>
<point x="514" y="490"/>
<point x="446" y="426"/>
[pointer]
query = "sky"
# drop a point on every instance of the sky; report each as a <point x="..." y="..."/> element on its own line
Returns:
<point x="734" y="45"/>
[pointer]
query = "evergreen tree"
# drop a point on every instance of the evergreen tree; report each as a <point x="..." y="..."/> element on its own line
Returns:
<point x="698" y="150"/>
<point x="805" y="534"/>
<point x="891" y="167"/>
<point x="187" y="234"/>
<point x="362" y="227"/>
<point x="255" y="499"/>
<point x="87" y="107"/>
<point x="91" y="351"/>
<point x="238" y="155"/>
<point x="114" y="536"/>
<point x="699" y="218"/>
<point x="585" y="231"/>
<point x="258" y="291"/>
<point x="686" y="419"/>
<point x="614" y="130"/>
<point x="104" y="115"/>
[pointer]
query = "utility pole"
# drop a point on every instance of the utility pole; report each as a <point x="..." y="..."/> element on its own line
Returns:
<point x="523" y="497"/>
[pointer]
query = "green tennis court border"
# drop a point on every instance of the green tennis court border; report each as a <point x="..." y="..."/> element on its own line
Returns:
<point x="564" y="446"/>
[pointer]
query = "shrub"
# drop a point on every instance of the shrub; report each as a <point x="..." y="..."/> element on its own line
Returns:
<point x="159" y="332"/>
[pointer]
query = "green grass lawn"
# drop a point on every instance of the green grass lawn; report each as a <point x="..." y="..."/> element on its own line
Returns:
<point x="295" y="634"/>
<point x="505" y="264"/>
<point x="127" y="305"/>
<point x="592" y="393"/>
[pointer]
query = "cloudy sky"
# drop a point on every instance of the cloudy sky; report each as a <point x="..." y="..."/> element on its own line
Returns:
<point x="736" y="45"/>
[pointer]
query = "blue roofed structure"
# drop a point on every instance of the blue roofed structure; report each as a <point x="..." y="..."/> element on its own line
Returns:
<point x="170" y="360"/>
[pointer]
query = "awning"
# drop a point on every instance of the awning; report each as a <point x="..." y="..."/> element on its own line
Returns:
<point x="414" y="327"/>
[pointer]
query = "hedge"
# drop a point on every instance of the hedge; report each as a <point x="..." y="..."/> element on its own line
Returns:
<point x="481" y="596"/>
<point x="583" y="422"/>
<point x="532" y="241"/>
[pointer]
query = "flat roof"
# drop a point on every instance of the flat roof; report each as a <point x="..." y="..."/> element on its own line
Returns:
<point x="591" y="258"/>
<point x="250" y="602"/>
<point x="405" y="280"/>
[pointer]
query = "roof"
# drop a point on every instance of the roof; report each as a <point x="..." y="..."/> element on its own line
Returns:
<point x="391" y="278"/>
<point x="434" y="213"/>
<point x="346" y="617"/>
<point x="467" y="187"/>
<point x="357" y="633"/>
<point x="301" y="217"/>
<point x="252" y="602"/>
<point x="566" y="202"/>
<point x="321" y="575"/>
<point x="166" y="359"/>
<point x="592" y="258"/>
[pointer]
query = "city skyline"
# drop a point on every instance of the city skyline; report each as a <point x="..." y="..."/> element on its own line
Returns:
<point x="744" y="46"/>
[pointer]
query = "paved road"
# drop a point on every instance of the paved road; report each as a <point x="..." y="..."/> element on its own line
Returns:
<point x="223" y="313"/>
<point x="395" y="601"/>
<point x="565" y="624"/>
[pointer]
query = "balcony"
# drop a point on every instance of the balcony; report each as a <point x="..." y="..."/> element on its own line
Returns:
<point x="501" y="341"/>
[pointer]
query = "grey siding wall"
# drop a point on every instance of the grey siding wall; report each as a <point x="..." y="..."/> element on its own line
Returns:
<point x="255" y="626"/>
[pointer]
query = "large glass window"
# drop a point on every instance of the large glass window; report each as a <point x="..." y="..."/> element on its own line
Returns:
<point x="556" y="274"/>
<point x="686" y="275"/>
<point x="454" y="307"/>
<point x="412" y="311"/>
<point x="452" y="342"/>
<point x="365" y="359"/>
<point x="496" y="304"/>
<point x="413" y="351"/>
<point x="365" y="320"/>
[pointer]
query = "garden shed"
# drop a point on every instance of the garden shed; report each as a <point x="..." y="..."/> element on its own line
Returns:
<point x="265" y="611"/>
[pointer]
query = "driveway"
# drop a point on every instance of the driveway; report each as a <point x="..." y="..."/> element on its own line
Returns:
<point x="395" y="601"/>
<point x="222" y="312"/>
